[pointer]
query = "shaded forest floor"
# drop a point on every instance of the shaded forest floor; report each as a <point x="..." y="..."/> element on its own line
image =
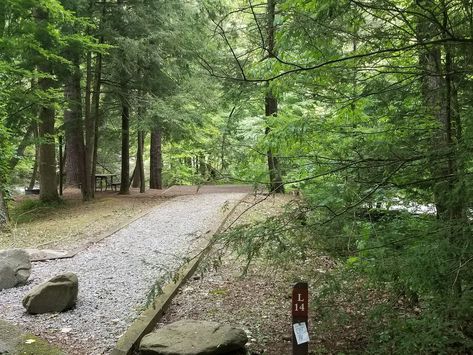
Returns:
<point x="71" y="223"/>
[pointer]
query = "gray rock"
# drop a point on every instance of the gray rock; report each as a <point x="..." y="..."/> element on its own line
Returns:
<point x="15" y="268"/>
<point x="10" y="337"/>
<point x="56" y="295"/>
<point x="190" y="337"/>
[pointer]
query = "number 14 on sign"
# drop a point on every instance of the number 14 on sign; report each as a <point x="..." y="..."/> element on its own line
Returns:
<point x="299" y="305"/>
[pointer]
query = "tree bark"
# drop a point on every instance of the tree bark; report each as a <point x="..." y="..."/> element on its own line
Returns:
<point x="156" y="161"/>
<point x="34" y="174"/>
<point x="74" y="126"/>
<point x="441" y="102"/>
<point x="47" y="155"/>
<point x="88" y="187"/>
<point x="135" y="176"/>
<point x="96" y="112"/>
<point x="271" y="105"/>
<point x="141" y="166"/>
<point x="275" y="179"/>
<point x="138" y="172"/>
<point x="47" y="148"/>
<point x="3" y="210"/>
<point x="125" y="168"/>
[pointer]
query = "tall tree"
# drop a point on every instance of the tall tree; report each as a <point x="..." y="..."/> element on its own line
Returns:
<point x="271" y="102"/>
<point x="156" y="160"/>
<point x="47" y="163"/>
<point x="73" y="123"/>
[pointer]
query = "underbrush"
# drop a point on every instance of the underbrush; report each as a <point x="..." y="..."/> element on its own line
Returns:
<point x="400" y="286"/>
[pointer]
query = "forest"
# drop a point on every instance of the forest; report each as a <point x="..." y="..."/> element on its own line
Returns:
<point x="361" y="107"/>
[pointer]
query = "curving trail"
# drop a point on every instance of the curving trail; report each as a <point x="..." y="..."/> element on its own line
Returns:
<point x="117" y="274"/>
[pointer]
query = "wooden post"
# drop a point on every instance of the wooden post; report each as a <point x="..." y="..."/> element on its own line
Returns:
<point x="61" y="172"/>
<point x="300" y="317"/>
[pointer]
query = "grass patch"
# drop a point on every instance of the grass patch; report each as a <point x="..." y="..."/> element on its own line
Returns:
<point x="32" y="345"/>
<point x="30" y="210"/>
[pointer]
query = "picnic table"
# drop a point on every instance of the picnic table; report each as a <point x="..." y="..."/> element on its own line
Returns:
<point x="108" y="179"/>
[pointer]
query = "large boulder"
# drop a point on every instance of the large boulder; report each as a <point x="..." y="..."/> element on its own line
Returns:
<point x="191" y="337"/>
<point x="15" y="268"/>
<point x="56" y="295"/>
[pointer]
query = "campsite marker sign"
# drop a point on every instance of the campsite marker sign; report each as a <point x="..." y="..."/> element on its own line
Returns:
<point x="300" y="316"/>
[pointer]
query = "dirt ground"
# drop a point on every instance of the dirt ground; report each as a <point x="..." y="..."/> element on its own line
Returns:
<point x="72" y="222"/>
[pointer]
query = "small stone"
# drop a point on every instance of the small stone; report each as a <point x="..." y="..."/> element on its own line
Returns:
<point x="56" y="295"/>
<point x="15" y="268"/>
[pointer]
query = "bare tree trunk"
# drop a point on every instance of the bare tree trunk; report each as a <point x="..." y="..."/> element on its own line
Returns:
<point x="3" y="210"/>
<point x="125" y="169"/>
<point x="47" y="163"/>
<point x="156" y="161"/>
<point x="138" y="172"/>
<point x="201" y="165"/>
<point x="141" y="166"/>
<point x="74" y="127"/>
<point x="96" y="110"/>
<point x="275" y="179"/>
<point x="34" y="174"/>
<point x="135" y="177"/>
<point x="271" y="104"/>
<point x="88" y="185"/>
<point x="47" y="148"/>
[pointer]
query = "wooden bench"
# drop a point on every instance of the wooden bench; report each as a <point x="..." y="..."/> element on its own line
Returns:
<point x="115" y="185"/>
<point x="31" y="191"/>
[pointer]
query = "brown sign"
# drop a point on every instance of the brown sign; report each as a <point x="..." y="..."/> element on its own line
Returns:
<point x="300" y="316"/>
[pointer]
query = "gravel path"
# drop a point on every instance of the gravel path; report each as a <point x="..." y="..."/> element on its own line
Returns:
<point x="117" y="274"/>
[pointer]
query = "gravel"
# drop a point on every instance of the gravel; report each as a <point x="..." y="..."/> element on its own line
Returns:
<point x="117" y="275"/>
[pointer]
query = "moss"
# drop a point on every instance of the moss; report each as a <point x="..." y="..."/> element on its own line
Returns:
<point x="32" y="345"/>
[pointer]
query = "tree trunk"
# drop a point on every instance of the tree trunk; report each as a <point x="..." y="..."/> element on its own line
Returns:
<point x="88" y="185"/>
<point x="47" y="148"/>
<point x="34" y="174"/>
<point x="138" y="172"/>
<point x="96" y="112"/>
<point x="73" y="126"/>
<point x="3" y="210"/>
<point x="202" y="165"/>
<point x="447" y="168"/>
<point x="135" y="176"/>
<point x="141" y="166"/>
<point x="271" y="104"/>
<point x="47" y="155"/>
<point x="156" y="161"/>
<point x="125" y="169"/>
<point x="275" y="179"/>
